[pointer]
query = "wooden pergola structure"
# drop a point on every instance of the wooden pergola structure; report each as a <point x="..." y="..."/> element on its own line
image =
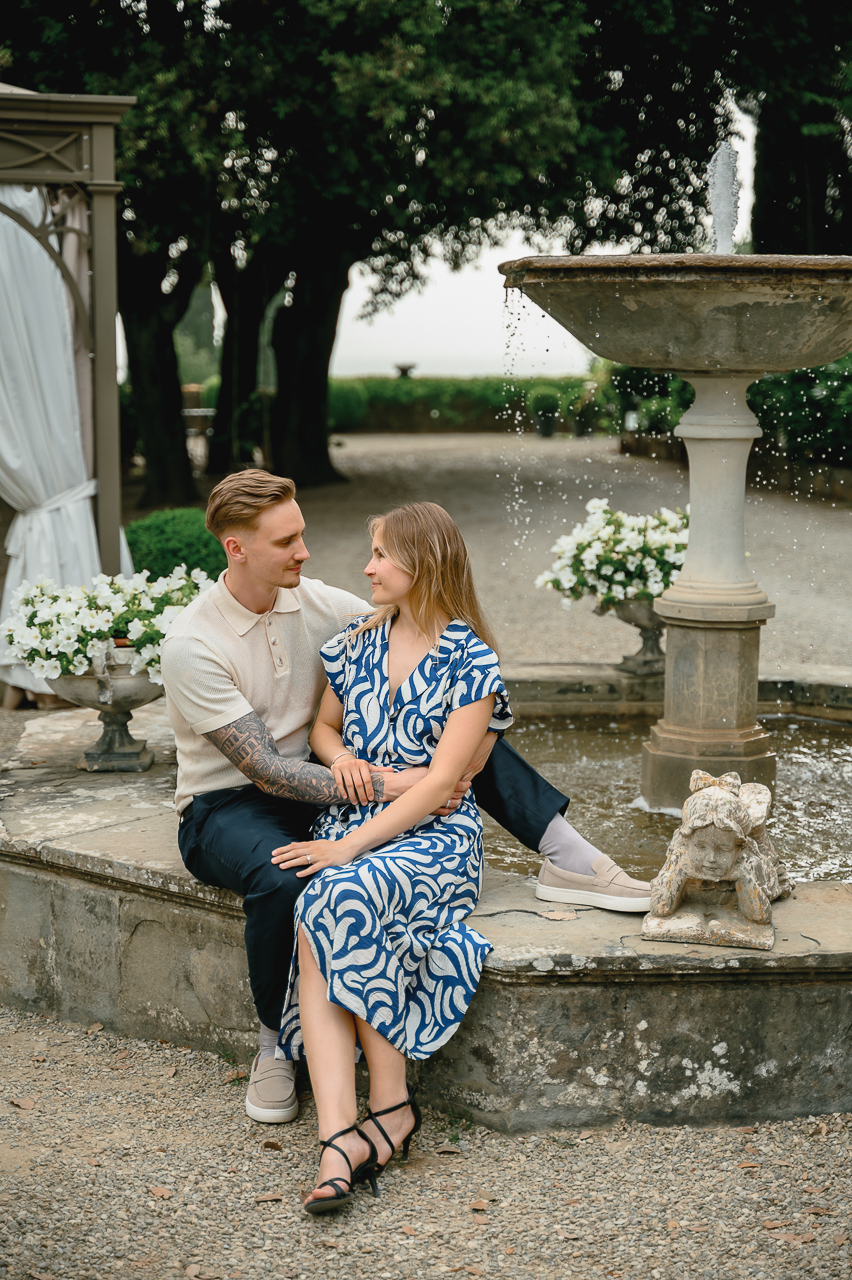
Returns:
<point x="68" y="141"/>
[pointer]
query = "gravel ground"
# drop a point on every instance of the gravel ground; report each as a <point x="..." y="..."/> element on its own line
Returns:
<point x="123" y="1158"/>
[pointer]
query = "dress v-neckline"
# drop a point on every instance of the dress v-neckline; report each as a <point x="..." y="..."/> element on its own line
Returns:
<point x="405" y="686"/>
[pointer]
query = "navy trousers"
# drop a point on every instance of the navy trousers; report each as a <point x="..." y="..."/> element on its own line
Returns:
<point x="226" y="840"/>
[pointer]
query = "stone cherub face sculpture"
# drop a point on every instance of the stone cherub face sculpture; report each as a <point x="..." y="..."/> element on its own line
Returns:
<point x="722" y="848"/>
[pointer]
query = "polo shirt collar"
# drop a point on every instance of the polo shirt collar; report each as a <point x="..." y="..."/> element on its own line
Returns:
<point x="241" y="619"/>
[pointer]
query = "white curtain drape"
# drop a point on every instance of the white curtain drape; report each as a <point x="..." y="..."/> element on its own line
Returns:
<point x="43" y="471"/>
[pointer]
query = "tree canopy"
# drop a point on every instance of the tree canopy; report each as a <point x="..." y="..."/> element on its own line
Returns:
<point x="286" y="141"/>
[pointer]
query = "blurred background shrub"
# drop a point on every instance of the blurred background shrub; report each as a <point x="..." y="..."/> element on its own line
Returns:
<point x="164" y="539"/>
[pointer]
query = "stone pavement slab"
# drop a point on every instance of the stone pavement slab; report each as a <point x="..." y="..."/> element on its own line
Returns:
<point x="127" y="818"/>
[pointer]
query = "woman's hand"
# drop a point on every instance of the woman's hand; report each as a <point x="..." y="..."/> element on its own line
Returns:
<point x="353" y="777"/>
<point x="306" y="857"/>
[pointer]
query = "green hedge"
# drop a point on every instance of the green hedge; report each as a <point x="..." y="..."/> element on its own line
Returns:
<point x="210" y="391"/>
<point x="164" y="539"/>
<point x="453" y="398"/>
<point x="659" y="400"/>
<point x="347" y="403"/>
<point x="806" y="414"/>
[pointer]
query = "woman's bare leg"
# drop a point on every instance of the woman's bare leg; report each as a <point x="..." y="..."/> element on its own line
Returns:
<point x="328" y="1033"/>
<point x="387" y="1088"/>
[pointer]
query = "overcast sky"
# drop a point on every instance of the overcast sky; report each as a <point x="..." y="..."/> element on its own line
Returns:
<point x="459" y="325"/>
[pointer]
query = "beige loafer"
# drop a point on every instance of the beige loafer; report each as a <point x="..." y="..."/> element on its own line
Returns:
<point x="608" y="887"/>
<point x="271" y="1096"/>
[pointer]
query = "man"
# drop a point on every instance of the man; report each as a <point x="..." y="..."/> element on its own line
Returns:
<point x="243" y="679"/>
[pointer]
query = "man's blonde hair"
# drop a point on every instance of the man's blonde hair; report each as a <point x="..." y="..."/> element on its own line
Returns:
<point x="240" y="500"/>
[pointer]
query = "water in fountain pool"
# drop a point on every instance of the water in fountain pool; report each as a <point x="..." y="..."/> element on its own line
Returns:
<point x="597" y="763"/>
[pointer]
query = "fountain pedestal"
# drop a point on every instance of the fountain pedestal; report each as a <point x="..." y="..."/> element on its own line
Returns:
<point x="710" y="712"/>
<point x="713" y="612"/>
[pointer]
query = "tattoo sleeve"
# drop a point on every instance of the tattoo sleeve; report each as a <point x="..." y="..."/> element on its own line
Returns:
<point x="249" y="746"/>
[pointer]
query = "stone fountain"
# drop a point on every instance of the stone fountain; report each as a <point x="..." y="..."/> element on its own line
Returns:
<point x="720" y="321"/>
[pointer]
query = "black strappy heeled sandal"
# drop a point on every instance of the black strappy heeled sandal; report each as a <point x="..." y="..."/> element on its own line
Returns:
<point x="406" y="1142"/>
<point x="364" y="1172"/>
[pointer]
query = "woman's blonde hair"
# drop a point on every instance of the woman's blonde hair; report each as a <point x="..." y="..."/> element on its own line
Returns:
<point x="424" y="541"/>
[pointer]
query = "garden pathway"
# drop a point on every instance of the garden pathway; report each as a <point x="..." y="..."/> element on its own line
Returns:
<point x="513" y="495"/>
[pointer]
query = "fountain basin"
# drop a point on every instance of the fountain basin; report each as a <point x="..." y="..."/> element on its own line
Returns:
<point x="741" y="313"/>
<point x="597" y="761"/>
<point x="577" y="1020"/>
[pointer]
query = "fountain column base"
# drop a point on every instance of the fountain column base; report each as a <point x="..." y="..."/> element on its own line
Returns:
<point x="710" y="713"/>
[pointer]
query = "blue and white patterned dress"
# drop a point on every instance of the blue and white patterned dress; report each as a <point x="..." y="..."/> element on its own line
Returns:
<point x="387" y="930"/>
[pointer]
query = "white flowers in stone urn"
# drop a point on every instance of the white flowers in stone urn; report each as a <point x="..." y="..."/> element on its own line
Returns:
<point x="99" y="646"/>
<point x="623" y="561"/>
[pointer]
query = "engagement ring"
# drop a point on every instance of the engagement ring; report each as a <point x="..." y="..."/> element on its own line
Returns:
<point x="308" y="859"/>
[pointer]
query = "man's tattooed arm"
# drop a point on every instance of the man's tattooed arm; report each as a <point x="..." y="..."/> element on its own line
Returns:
<point x="249" y="746"/>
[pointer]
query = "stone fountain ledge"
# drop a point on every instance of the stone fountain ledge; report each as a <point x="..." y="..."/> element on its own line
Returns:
<point x="588" y="688"/>
<point x="577" y="1020"/>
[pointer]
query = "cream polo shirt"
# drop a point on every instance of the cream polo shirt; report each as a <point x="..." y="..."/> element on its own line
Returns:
<point x="221" y="661"/>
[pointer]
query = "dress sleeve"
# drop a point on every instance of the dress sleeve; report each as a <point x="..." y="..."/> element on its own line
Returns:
<point x="335" y="653"/>
<point x="478" y="675"/>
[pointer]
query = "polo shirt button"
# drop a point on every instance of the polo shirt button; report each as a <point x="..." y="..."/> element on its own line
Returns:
<point x="280" y="662"/>
<point x="269" y="622"/>
<point x="274" y="639"/>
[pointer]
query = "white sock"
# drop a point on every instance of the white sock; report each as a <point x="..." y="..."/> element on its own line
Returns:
<point x="567" y="849"/>
<point x="266" y="1042"/>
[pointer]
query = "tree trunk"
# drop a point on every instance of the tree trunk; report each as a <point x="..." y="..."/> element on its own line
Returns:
<point x="149" y="318"/>
<point x="802" y="182"/>
<point x="246" y="295"/>
<point x="302" y="339"/>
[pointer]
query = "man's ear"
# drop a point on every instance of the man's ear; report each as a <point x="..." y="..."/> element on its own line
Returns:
<point x="233" y="547"/>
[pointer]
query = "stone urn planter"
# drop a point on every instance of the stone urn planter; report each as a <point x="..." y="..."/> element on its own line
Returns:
<point x="650" y="659"/>
<point x="545" y="424"/>
<point x="108" y="687"/>
<point x="545" y="409"/>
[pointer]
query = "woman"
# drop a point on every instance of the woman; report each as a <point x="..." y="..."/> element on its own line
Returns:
<point x="383" y="963"/>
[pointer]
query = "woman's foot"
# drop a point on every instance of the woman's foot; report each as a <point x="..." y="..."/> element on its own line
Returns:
<point x="391" y="1126"/>
<point x="333" y="1168"/>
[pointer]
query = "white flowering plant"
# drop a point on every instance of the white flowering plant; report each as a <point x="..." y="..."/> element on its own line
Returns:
<point x="59" y="631"/>
<point x="614" y="556"/>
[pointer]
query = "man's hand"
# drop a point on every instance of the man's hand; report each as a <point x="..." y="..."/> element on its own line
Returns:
<point x="393" y="783"/>
<point x="397" y="781"/>
<point x="476" y="766"/>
